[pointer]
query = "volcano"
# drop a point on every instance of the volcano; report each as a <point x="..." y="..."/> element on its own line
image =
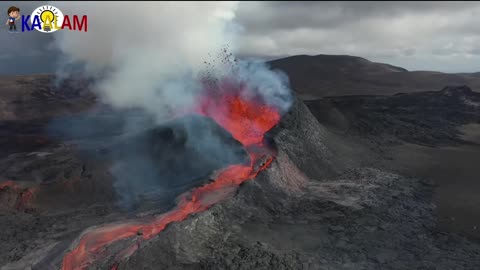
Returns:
<point x="247" y="120"/>
<point x="325" y="185"/>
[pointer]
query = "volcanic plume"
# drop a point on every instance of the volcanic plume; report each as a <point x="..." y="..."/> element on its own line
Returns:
<point x="247" y="118"/>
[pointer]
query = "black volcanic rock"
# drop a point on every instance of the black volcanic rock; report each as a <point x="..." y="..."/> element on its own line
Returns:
<point x="428" y="118"/>
<point x="288" y="218"/>
<point x="42" y="97"/>
<point x="457" y="90"/>
<point x="319" y="205"/>
<point x="373" y="220"/>
<point x="28" y="103"/>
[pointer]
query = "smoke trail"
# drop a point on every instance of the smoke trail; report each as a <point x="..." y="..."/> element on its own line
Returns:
<point x="151" y="55"/>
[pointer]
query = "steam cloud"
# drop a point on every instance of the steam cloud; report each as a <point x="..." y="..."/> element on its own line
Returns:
<point x="152" y="51"/>
<point x="149" y="55"/>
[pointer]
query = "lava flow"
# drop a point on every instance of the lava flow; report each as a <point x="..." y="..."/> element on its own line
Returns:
<point x="24" y="195"/>
<point x="247" y="120"/>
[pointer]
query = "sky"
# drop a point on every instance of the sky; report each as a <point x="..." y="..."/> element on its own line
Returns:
<point x="439" y="36"/>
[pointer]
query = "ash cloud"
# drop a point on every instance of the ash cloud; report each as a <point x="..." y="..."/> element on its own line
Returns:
<point x="150" y="56"/>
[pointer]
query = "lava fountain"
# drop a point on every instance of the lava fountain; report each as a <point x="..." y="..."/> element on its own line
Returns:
<point x="247" y="119"/>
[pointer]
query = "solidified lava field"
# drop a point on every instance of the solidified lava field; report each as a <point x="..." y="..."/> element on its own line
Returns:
<point x="296" y="194"/>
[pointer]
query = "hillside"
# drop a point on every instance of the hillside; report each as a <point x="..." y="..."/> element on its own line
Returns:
<point x="433" y="135"/>
<point x="337" y="75"/>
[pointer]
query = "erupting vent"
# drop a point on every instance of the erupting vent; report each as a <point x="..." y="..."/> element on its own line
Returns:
<point x="247" y="119"/>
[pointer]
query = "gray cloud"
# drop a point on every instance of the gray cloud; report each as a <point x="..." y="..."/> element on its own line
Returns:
<point x="260" y="16"/>
<point x="440" y="36"/>
<point x="412" y="34"/>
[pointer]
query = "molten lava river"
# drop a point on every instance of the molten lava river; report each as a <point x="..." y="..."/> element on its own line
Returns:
<point x="247" y="121"/>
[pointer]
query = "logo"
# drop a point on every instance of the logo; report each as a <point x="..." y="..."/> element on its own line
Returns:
<point x="49" y="19"/>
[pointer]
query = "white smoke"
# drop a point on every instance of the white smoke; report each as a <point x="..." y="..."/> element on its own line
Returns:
<point x="151" y="56"/>
<point x="152" y="50"/>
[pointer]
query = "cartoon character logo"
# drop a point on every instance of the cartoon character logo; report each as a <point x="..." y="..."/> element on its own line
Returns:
<point x="13" y="15"/>
<point x="45" y="19"/>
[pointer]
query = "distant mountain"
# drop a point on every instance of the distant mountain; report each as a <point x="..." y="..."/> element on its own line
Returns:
<point x="337" y="75"/>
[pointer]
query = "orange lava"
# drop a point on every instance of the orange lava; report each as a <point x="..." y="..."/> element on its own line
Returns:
<point x="247" y="120"/>
<point x="9" y="184"/>
<point x="24" y="197"/>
